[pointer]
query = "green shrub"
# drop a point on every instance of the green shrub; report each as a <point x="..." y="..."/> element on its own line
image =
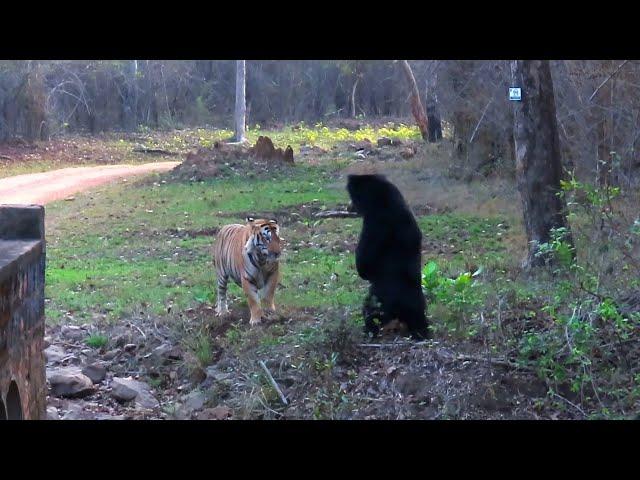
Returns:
<point x="460" y="296"/>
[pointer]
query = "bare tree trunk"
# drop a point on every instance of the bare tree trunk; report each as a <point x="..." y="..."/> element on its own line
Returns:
<point x="130" y="105"/>
<point x="538" y="160"/>
<point x="135" y="93"/>
<point x="416" y="105"/>
<point x="353" y="98"/>
<point x="431" y="101"/>
<point x="241" y="103"/>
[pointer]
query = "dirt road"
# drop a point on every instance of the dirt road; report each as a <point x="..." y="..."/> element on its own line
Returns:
<point x="42" y="188"/>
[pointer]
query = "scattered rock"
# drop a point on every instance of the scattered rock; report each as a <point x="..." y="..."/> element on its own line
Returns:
<point x="127" y="389"/>
<point x="69" y="382"/>
<point x="54" y="354"/>
<point x="217" y="413"/>
<point x="73" y="333"/>
<point x="76" y="411"/>
<point x="122" y="340"/>
<point x="95" y="371"/>
<point x="175" y="354"/>
<point x="165" y="354"/>
<point x="130" y="347"/>
<point x="194" y="400"/>
<point x="161" y="351"/>
<point x="106" y="416"/>
<point x="190" y="403"/>
<point x="110" y="355"/>
<point x="215" y="374"/>
<point x="52" y="413"/>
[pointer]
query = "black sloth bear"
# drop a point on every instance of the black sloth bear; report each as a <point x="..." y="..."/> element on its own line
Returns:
<point x="388" y="255"/>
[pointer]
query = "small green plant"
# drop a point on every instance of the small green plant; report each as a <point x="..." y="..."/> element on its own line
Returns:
<point x="201" y="347"/>
<point x="460" y="295"/>
<point x="204" y="352"/>
<point x="327" y="365"/>
<point x="234" y="335"/>
<point x="97" y="340"/>
<point x="559" y="249"/>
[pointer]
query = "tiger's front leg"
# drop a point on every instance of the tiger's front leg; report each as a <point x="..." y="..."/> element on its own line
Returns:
<point x="270" y="292"/>
<point x="221" y="303"/>
<point x="253" y="299"/>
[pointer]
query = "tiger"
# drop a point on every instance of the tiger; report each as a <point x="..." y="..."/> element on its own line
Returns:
<point x="250" y="255"/>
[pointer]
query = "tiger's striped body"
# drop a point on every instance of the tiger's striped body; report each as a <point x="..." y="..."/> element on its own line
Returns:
<point x="248" y="254"/>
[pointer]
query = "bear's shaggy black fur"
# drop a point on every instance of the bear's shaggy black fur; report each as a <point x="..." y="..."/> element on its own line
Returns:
<point x="388" y="255"/>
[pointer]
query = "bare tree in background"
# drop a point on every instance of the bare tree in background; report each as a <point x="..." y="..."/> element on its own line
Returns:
<point x="353" y="96"/>
<point x="416" y="105"/>
<point x="130" y="104"/>
<point x="241" y="101"/>
<point x="431" y="102"/>
<point x="538" y="160"/>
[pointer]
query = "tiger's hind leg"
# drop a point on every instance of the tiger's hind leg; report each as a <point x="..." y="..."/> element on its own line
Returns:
<point x="221" y="303"/>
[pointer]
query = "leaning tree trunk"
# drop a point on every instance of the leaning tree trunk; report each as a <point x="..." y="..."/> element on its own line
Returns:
<point x="353" y="97"/>
<point x="434" y="123"/>
<point x="241" y="103"/>
<point x="416" y="105"/>
<point x="538" y="160"/>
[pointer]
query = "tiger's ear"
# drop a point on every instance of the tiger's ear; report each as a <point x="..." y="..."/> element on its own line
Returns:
<point x="273" y="220"/>
<point x="250" y="219"/>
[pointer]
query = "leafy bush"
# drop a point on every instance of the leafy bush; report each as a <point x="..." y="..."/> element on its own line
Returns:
<point x="454" y="299"/>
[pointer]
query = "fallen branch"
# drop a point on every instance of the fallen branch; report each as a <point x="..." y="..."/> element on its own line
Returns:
<point x="155" y="151"/>
<point x="571" y="403"/>
<point x="336" y="214"/>
<point x="138" y="328"/>
<point x="607" y="79"/>
<point x="480" y="121"/>
<point x="493" y="361"/>
<point x="273" y="383"/>
<point x="394" y="344"/>
<point x="4" y="157"/>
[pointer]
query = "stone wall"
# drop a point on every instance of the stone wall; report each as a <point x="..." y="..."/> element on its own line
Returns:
<point x="22" y="269"/>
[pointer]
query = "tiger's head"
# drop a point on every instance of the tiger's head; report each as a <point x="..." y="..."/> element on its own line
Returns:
<point x="264" y="240"/>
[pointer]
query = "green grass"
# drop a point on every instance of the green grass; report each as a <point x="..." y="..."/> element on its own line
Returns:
<point x="96" y="341"/>
<point x="134" y="249"/>
<point x="132" y="262"/>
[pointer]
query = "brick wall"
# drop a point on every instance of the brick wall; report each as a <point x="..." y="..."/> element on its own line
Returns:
<point x="22" y="269"/>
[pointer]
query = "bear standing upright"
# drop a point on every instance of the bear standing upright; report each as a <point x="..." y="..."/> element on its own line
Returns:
<point x="388" y="255"/>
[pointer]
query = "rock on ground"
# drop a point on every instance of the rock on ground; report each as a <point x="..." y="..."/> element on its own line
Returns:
<point x="54" y="354"/>
<point x="52" y="413"/>
<point x="95" y="371"/>
<point x="127" y="389"/>
<point x="217" y="413"/>
<point x="69" y="382"/>
<point x="190" y="403"/>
